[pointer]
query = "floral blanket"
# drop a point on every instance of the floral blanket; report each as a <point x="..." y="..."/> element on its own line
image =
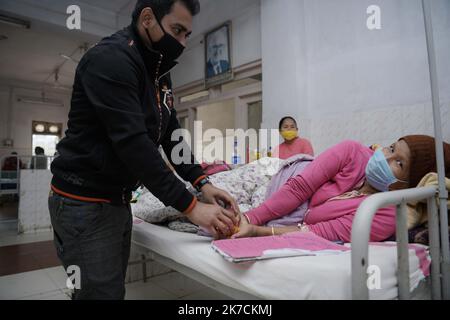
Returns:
<point x="247" y="184"/>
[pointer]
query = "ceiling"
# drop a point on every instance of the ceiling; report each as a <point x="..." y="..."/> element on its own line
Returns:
<point x="117" y="6"/>
<point x="35" y="54"/>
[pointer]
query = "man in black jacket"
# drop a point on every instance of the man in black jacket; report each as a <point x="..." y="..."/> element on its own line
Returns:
<point x="120" y="114"/>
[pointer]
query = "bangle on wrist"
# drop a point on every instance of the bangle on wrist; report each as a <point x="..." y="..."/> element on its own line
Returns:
<point x="273" y="231"/>
<point x="204" y="181"/>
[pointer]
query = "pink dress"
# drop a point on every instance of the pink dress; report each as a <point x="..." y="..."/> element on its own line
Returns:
<point x="338" y="170"/>
<point x="297" y="146"/>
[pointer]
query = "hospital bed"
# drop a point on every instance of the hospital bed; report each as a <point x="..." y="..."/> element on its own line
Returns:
<point x="9" y="182"/>
<point x="402" y="273"/>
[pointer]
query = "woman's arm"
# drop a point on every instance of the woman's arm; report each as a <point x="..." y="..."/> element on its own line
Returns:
<point x="301" y="187"/>
<point x="247" y="230"/>
<point x="383" y="226"/>
<point x="267" y="231"/>
<point x="258" y="231"/>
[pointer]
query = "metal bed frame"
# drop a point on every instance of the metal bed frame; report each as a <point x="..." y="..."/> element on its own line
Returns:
<point x="440" y="266"/>
<point x="194" y="274"/>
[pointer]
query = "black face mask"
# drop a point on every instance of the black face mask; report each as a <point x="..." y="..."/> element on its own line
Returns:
<point x="169" y="47"/>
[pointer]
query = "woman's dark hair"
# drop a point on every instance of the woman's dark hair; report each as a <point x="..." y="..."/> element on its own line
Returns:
<point x="284" y="119"/>
<point x="163" y="7"/>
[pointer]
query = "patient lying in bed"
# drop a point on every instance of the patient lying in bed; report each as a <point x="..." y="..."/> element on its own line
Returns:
<point x="336" y="183"/>
<point x="321" y="195"/>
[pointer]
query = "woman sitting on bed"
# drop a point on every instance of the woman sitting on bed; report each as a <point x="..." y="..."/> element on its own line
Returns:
<point x="336" y="183"/>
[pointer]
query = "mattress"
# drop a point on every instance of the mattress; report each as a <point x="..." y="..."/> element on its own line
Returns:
<point x="304" y="277"/>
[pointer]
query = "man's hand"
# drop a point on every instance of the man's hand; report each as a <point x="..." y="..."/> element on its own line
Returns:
<point x="219" y="221"/>
<point x="246" y="230"/>
<point x="213" y="195"/>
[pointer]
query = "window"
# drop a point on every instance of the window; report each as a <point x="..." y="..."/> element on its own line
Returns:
<point x="255" y="115"/>
<point x="46" y="135"/>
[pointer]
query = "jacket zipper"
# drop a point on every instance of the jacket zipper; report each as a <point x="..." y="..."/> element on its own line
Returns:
<point x="158" y="97"/>
<point x="158" y="94"/>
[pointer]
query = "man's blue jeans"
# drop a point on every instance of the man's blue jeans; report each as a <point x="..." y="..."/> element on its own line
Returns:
<point x="96" y="238"/>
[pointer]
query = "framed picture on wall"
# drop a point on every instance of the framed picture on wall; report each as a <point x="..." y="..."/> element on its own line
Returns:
<point x="218" y="64"/>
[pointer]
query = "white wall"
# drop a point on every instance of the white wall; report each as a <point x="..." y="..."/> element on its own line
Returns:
<point x="284" y="62"/>
<point x="246" y="36"/>
<point x="4" y="96"/>
<point x="33" y="204"/>
<point x="217" y="116"/>
<point x="360" y="68"/>
<point x="23" y="114"/>
<point x="347" y="81"/>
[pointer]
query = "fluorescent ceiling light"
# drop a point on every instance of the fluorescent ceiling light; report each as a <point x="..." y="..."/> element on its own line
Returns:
<point x="68" y="58"/>
<point x="53" y="129"/>
<point x="41" y="101"/>
<point x="39" y="128"/>
<point x="14" y="21"/>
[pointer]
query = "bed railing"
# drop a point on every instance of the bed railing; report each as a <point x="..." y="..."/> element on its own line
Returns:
<point x="10" y="179"/>
<point x="360" y="241"/>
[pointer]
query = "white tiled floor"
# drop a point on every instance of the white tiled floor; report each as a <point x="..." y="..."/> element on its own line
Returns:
<point x="147" y="291"/>
<point x="9" y="236"/>
<point x="49" y="284"/>
<point x="177" y="284"/>
<point x="28" y="285"/>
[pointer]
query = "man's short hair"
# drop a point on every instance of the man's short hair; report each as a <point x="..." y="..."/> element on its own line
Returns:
<point x="163" y="7"/>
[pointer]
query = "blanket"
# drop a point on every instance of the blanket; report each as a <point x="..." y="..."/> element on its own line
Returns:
<point x="291" y="167"/>
<point x="247" y="184"/>
<point x="417" y="211"/>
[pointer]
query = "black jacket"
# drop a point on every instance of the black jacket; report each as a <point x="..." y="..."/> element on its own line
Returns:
<point x="115" y="126"/>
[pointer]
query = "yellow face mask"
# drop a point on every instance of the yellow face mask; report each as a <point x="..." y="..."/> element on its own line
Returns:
<point x="289" y="134"/>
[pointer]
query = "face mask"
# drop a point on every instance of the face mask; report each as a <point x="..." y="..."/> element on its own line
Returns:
<point x="169" y="47"/>
<point x="379" y="173"/>
<point x="289" y="134"/>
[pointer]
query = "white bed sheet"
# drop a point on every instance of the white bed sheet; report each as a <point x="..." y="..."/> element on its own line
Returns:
<point x="306" y="277"/>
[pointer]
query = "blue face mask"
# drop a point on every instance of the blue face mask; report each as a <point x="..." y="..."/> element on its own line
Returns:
<point x="379" y="173"/>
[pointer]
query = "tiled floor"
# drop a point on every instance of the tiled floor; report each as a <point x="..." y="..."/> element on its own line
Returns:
<point x="49" y="284"/>
<point x="9" y="236"/>
<point x="35" y="252"/>
<point x="27" y="257"/>
<point x="34" y="285"/>
<point x="8" y="211"/>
